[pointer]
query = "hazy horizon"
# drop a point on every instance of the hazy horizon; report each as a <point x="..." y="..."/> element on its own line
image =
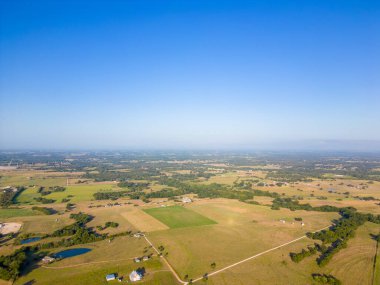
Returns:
<point x="257" y="75"/>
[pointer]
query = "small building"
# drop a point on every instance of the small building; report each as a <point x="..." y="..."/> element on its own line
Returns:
<point x="135" y="276"/>
<point x="145" y="258"/>
<point x="137" y="259"/>
<point x="186" y="200"/>
<point x="111" y="277"/>
<point x="302" y="224"/>
<point x="48" y="259"/>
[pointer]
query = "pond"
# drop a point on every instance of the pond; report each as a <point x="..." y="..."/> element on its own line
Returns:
<point x="29" y="240"/>
<point x="71" y="252"/>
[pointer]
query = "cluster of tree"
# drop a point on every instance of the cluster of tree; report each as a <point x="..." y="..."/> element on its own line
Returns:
<point x="134" y="174"/>
<point x="376" y="237"/>
<point x="366" y="198"/>
<point x="111" y="225"/>
<point x="340" y="232"/>
<point x="109" y="195"/>
<point x="194" y="175"/>
<point x="69" y="206"/>
<point x="78" y="235"/>
<point x="133" y="186"/>
<point x="294" y="205"/>
<point x="295" y="174"/>
<point x="257" y="192"/>
<point x="45" y="211"/>
<point x="12" y="265"/>
<point x="246" y="184"/>
<point x="8" y="196"/>
<point x="43" y="191"/>
<point x="297" y="257"/>
<point x="213" y="190"/>
<point x="81" y="218"/>
<point x="44" y="200"/>
<point x="108" y="225"/>
<point x="325" y="279"/>
<point x="328" y="253"/>
<point x="78" y="232"/>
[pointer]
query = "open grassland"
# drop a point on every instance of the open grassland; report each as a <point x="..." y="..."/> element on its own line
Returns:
<point x="179" y="217"/>
<point x="111" y="214"/>
<point x="41" y="223"/>
<point x="242" y="230"/>
<point x="143" y="221"/>
<point x="105" y="258"/>
<point x="276" y="267"/>
<point x="225" y="178"/>
<point x="33" y="177"/>
<point x="129" y="217"/>
<point x="16" y="212"/>
<point x="27" y="196"/>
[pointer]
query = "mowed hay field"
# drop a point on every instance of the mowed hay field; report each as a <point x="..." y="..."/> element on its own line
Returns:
<point x="242" y="230"/>
<point x="104" y="258"/>
<point x="352" y="265"/>
<point x="179" y="217"/>
<point x="357" y="259"/>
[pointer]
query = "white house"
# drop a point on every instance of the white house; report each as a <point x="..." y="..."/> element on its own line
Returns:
<point x="135" y="276"/>
<point x="186" y="200"/>
<point x="48" y="259"/>
<point x="110" y="277"/>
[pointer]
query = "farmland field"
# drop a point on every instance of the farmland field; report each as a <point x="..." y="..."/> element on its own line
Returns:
<point x="179" y="217"/>
<point x="10" y="213"/>
<point x="256" y="228"/>
<point x="239" y="228"/>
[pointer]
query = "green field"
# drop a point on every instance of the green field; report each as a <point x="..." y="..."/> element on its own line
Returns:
<point x="10" y="213"/>
<point x="179" y="217"/>
<point x="104" y="258"/>
<point x="75" y="193"/>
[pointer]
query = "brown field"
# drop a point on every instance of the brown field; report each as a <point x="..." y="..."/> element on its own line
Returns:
<point x="242" y="230"/>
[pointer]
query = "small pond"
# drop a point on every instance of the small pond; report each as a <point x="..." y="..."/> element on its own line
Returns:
<point x="71" y="252"/>
<point x="29" y="240"/>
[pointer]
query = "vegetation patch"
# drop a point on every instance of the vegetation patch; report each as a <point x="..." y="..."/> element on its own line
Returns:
<point x="16" y="212"/>
<point x="179" y="217"/>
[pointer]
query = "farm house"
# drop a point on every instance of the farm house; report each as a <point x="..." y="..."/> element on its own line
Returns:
<point x="135" y="276"/>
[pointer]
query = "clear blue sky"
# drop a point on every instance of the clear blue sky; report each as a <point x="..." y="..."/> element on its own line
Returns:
<point x="189" y="74"/>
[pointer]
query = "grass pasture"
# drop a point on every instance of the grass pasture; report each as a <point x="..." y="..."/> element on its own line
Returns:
<point x="105" y="258"/>
<point x="76" y="193"/>
<point x="179" y="217"/>
<point x="357" y="258"/>
<point x="16" y="212"/>
<point x="242" y="230"/>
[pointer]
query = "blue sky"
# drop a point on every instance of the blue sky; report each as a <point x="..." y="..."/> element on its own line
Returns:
<point x="190" y="74"/>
